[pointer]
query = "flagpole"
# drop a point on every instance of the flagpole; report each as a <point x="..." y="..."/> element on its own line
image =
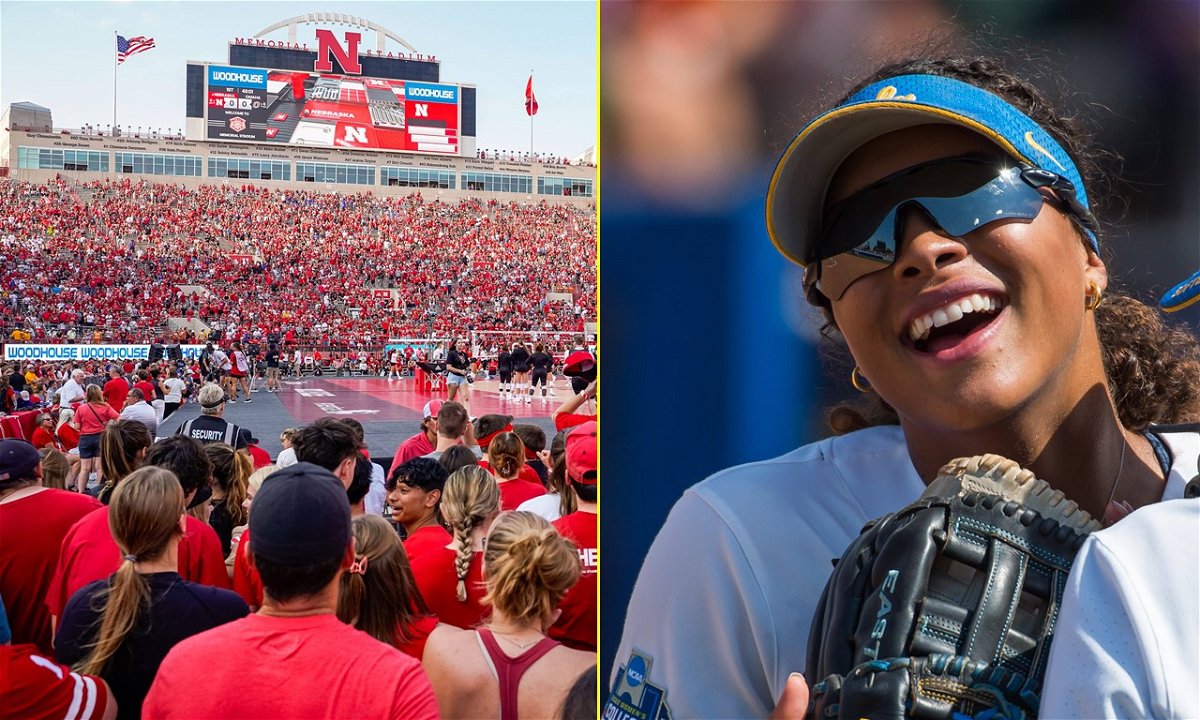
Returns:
<point x="531" y="96"/>
<point x="114" y="125"/>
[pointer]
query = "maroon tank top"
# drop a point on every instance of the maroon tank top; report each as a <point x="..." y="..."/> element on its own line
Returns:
<point x="510" y="669"/>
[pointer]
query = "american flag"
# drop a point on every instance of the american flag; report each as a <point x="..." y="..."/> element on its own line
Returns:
<point x="132" y="46"/>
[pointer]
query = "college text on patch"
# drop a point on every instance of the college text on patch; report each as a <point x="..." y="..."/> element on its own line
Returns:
<point x="633" y="696"/>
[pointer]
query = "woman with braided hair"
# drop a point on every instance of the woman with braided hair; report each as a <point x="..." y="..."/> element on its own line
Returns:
<point x="507" y="668"/>
<point x="941" y="213"/>
<point x="122" y="627"/>
<point x="231" y="472"/>
<point x="451" y="580"/>
<point x="123" y="447"/>
<point x="378" y="594"/>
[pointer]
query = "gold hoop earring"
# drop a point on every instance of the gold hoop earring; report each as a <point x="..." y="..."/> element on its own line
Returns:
<point x="1093" y="297"/>
<point x="858" y="381"/>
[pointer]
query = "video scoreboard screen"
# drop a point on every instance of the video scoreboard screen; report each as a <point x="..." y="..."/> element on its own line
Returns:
<point x="312" y="109"/>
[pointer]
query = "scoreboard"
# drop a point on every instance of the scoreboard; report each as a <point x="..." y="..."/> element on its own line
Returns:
<point x="244" y="104"/>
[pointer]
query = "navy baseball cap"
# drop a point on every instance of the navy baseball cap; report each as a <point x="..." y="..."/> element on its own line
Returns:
<point x="17" y="459"/>
<point x="796" y="196"/>
<point x="301" y="516"/>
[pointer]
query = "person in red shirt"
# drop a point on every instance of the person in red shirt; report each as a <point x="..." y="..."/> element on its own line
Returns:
<point x="378" y="595"/>
<point x="489" y="427"/>
<point x="90" y="418"/>
<point x="508" y="668"/>
<point x="117" y="388"/>
<point x="576" y="627"/>
<point x="143" y="383"/>
<point x="43" y="432"/>
<point x="34" y="686"/>
<point x="414" y="495"/>
<point x="33" y="522"/>
<point x="288" y="650"/>
<point x="451" y="577"/>
<point x="89" y="552"/>
<point x="565" y="415"/>
<point x="67" y="434"/>
<point x="424" y="441"/>
<point x="261" y="457"/>
<point x="506" y="457"/>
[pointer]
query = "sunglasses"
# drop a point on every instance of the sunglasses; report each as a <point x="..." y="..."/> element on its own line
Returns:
<point x="960" y="195"/>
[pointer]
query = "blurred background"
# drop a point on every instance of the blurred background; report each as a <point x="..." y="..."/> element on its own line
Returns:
<point x="709" y="350"/>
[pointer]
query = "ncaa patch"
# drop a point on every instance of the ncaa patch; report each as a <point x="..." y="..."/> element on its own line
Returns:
<point x="1182" y="295"/>
<point x="633" y="696"/>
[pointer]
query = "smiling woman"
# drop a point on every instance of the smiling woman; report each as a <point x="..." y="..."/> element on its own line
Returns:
<point x="941" y="213"/>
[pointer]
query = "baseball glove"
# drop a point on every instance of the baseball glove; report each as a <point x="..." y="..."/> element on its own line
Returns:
<point x="947" y="607"/>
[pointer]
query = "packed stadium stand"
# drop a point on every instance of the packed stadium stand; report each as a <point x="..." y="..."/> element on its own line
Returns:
<point x="113" y="260"/>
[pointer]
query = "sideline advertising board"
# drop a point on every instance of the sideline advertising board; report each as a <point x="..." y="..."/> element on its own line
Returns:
<point x="63" y="353"/>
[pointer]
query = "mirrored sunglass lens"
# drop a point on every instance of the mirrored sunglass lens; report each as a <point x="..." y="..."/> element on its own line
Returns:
<point x="1005" y="197"/>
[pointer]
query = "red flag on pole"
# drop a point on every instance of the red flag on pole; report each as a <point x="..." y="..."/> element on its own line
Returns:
<point x="530" y="100"/>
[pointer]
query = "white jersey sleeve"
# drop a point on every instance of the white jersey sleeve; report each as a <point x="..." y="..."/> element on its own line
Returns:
<point x="722" y="607"/>
<point x="1128" y="639"/>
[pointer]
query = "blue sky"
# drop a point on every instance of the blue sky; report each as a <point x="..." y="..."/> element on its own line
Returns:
<point x="60" y="55"/>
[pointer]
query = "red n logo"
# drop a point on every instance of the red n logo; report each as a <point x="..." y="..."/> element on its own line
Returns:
<point x="328" y="45"/>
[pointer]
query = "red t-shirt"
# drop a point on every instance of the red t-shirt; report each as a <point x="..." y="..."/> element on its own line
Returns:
<point x="93" y="418"/>
<point x="418" y="633"/>
<point x="414" y="447"/>
<point x="261" y="457"/>
<point x="89" y="553"/>
<point x="562" y="421"/>
<point x="34" y="686"/>
<point x="426" y="540"/>
<point x="246" y="581"/>
<point x="31" y="531"/>
<point x="516" y="491"/>
<point x="115" y="391"/>
<point x="42" y="439"/>
<point x="576" y="627"/>
<point x="147" y="390"/>
<point x="433" y="569"/>
<point x="526" y="473"/>
<point x="283" y="669"/>
<point x="69" y="437"/>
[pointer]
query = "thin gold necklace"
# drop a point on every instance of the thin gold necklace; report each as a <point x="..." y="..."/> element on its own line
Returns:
<point x="508" y="637"/>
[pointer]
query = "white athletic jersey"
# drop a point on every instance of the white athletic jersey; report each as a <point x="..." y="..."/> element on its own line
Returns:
<point x="1127" y="643"/>
<point x="721" y="611"/>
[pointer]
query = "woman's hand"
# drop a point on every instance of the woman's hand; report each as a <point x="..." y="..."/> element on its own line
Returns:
<point x="793" y="704"/>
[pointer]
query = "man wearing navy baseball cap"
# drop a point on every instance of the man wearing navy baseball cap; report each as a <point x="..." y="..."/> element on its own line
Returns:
<point x="301" y="545"/>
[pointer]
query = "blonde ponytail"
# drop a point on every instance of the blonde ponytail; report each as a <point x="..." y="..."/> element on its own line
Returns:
<point x="471" y="495"/>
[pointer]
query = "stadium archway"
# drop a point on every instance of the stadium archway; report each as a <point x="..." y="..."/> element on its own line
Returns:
<point x="326" y="18"/>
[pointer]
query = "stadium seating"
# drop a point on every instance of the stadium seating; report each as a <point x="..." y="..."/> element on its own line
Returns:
<point x="103" y="261"/>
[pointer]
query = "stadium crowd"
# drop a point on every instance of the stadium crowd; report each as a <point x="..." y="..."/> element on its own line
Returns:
<point x="112" y="261"/>
<point x="428" y="586"/>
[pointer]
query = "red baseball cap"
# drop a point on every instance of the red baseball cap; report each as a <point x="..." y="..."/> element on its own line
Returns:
<point x="431" y="408"/>
<point x="583" y="448"/>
